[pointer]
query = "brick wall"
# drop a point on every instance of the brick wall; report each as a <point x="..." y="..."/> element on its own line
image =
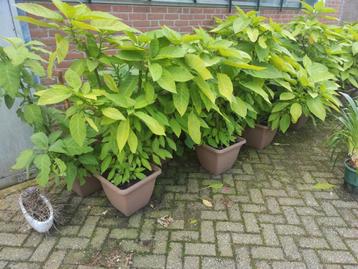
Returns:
<point x="182" y="19"/>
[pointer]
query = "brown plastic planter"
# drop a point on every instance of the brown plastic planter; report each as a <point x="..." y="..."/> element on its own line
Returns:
<point x="300" y="123"/>
<point x="91" y="185"/>
<point x="218" y="161"/>
<point x="133" y="198"/>
<point x="259" y="137"/>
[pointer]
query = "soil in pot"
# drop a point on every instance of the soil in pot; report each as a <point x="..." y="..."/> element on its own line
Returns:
<point x="91" y="185"/>
<point x="350" y="175"/>
<point x="259" y="137"/>
<point x="131" y="197"/>
<point x="217" y="161"/>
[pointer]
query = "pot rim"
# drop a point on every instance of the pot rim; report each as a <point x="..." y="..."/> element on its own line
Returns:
<point x="25" y="212"/>
<point x="240" y="141"/>
<point x="348" y="166"/>
<point x="155" y="173"/>
<point x="264" y="127"/>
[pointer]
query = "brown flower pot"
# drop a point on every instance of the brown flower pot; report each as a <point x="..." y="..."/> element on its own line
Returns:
<point x="133" y="198"/>
<point x="259" y="137"/>
<point x="218" y="161"/>
<point x="300" y="123"/>
<point x="91" y="185"/>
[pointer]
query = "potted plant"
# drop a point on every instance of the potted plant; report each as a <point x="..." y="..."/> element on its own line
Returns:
<point x="36" y="209"/>
<point x="346" y="135"/>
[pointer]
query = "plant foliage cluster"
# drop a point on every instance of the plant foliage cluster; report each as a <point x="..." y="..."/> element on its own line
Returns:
<point x="134" y="97"/>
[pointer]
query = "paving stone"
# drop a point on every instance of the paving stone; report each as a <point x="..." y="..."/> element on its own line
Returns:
<point x="186" y="236"/>
<point x="22" y="265"/>
<point x="147" y="230"/>
<point x="191" y="262"/>
<point x="311" y="259"/>
<point x="225" y="226"/>
<point x="9" y="239"/>
<point x="273" y="205"/>
<point x="218" y="263"/>
<point x="269" y="234"/>
<point x="207" y="231"/>
<point x="89" y="226"/>
<point x="43" y="250"/>
<point x="200" y="249"/>
<point x="149" y="261"/>
<point x="160" y="242"/>
<point x="247" y="239"/>
<point x="242" y="257"/>
<point x="175" y="255"/>
<point x="72" y="243"/>
<point x="268" y="253"/>
<point x="213" y="215"/>
<point x="224" y="244"/>
<point x="118" y="233"/>
<point x="234" y="213"/>
<point x="290" y="230"/>
<point x="2" y="264"/>
<point x="15" y="254"/>
<point x="336" y="256"/>
<point x="33" y="240"/>
<point x="99" y="236"/>
<point x="274" y="219"/>
<point x="250" y="222"/>
<point x="290" y="265"/>
<point x="331" y="222"/>
<point x="313" y="242"/>
<point x="291" y="215"/>
<point x="290" y="248"/>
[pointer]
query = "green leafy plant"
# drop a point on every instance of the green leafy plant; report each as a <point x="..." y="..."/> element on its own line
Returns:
<point x="346" y="134"/>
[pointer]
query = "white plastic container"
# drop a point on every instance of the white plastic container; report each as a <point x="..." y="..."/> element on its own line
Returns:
<point x="39" y="226"/>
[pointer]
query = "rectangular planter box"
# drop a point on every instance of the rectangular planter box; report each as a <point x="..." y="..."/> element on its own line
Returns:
<point x="218" y="161"/>
<point x="133" y="198"/>
<point x="91" y="185"/>
<point x="259" y="137"/>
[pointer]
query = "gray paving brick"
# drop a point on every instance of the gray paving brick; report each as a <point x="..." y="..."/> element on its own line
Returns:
<point x="43" y="250"/>
<point x="336" y="256"/>
<point x="247" y="239"/>
<point x="184" y="236"/>
<point x="250" y="222"/>
<point x="269" y="234"/>
<point x="15" y="253"/>
<point x="218" y="263"/>
<point x="200" y="249"/>
<point x="72" y="243"/>
<point x="175" y="255"/>
<point x="268" y="253"/>
<point x="243" y="258"/>
<point x="207" y="233"/>
<point x="55" y="260"/>
<point x="149" y="261"/>
<point x="10" y="239"/>
<point x="290" y="248"/>
<point x="313" y="242"/>
<point x="224" y="244"/>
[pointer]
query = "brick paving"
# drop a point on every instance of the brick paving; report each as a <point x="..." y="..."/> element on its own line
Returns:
<point x="267" y="216"/>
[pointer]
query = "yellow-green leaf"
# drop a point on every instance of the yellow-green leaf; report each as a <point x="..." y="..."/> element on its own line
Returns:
<point x="194" y="128"/>
<point x="225" y="86"/>
<point x="78" y="128"/>
<point x="295" y="111"/>
<point x="167" y="82"/>
<point x="181" y="99"/>
<point x="56" y="94"/>
<point x="40" y="11"/>
<point x="198" y="65"/>
<point x="113" y="113"/>
<point x="132" y="142"/>
<point x="122" y="134"/>
<point x="152" y="123"/>
<point x="92" y="124"/>
<point x="110" y="82"/>
<point x="155" y="71"/>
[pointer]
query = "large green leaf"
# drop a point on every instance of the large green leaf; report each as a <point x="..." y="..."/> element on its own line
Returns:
<point x="130" y="55"/>
<point x="198" y="65"/>
<point x="71" y="174"/>
<point x="181" y="99"/>
<point x="24" y="159"/>
<point x="132" y="141"/>
<point x="110" y="82"/>
<point x="43" y="164"/>
<point x="171" y="52"/>
<point x="205" y="88"/>
<point x="355" y="48"/>
<point x="167" y="82"/>
<point x="285" y="122"/>
<point x="194" y="128"/>
<point x="40" y="140"/>
<point x="239" y="107"/>
<point x="180" y="73"/>
<point x="256" y="86"/>
<point x="32" y="114"/>
<point x="240" y="24"/>
<point x="62" y="46"/>
<point x="113" y="113"/>
<point x="152" y="123"/>
<point x="225" y="86"/>
<point x="56" y="94"/>
<point x="122" y="134"/>
<point x="40" y="11"/>
<point x="78" y="128"/>
<point x="319" y="72"/>
<point x="295" y="111"/>
<point x="287" y="96"/>
<point x="9" y="78"/>
<point x="317" y="108"/>
<point x="155" y="71"/>
<point x="73" y="79"/>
